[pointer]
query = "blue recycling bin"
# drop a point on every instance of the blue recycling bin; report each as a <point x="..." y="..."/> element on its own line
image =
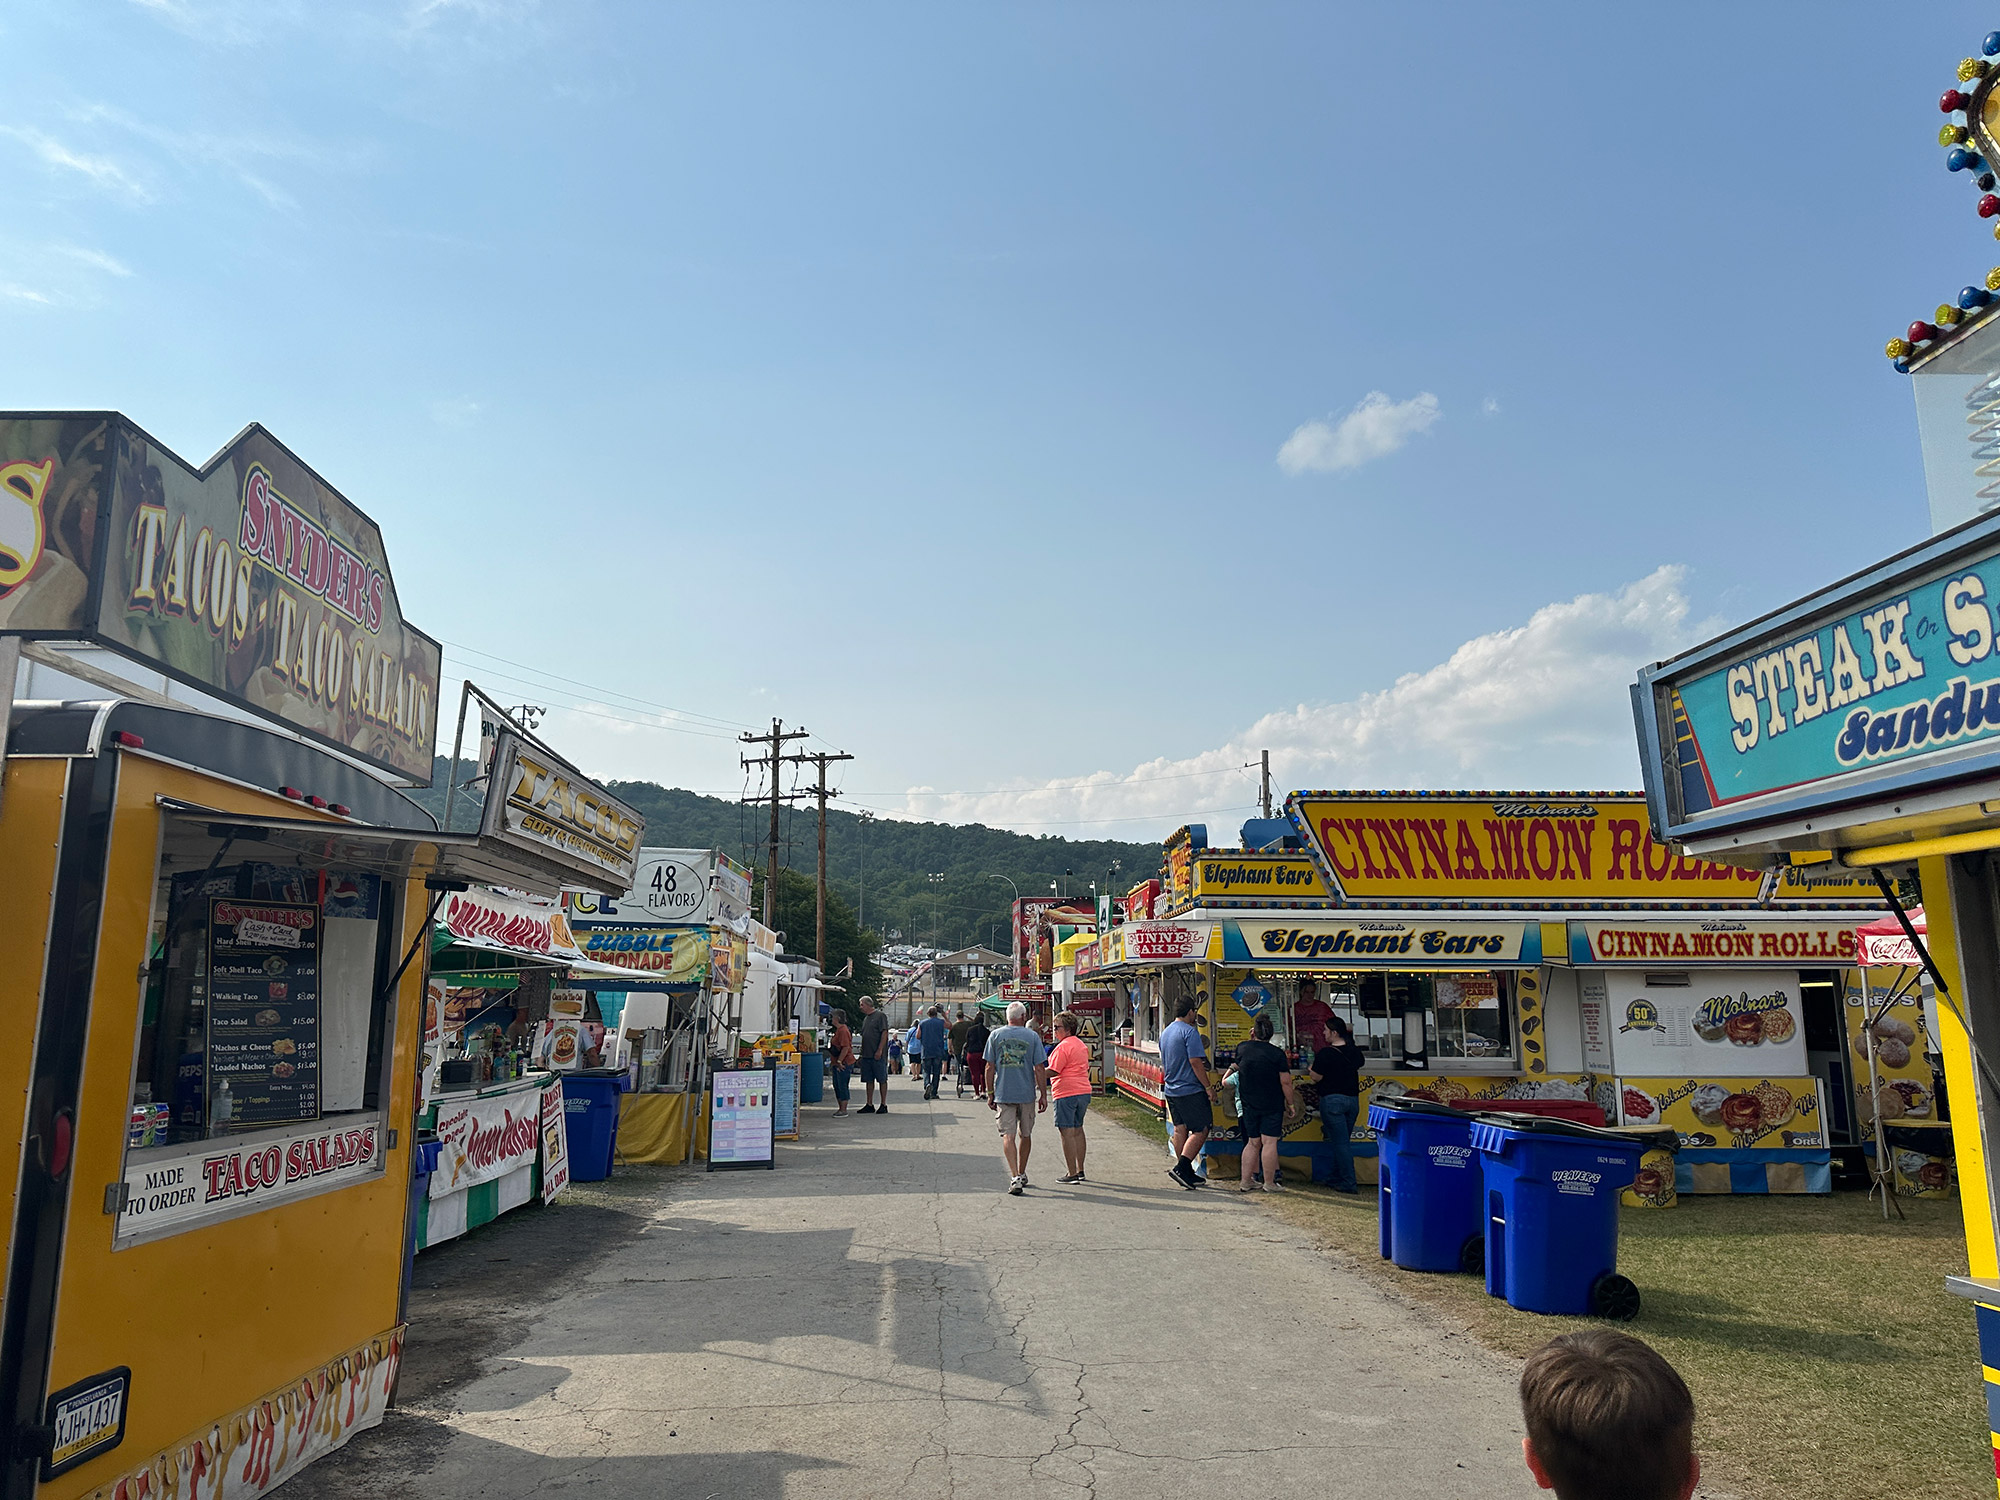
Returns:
<point x="1551" y="1203"/>
<point x="812" y="1077"/>
<point x="1428" y="1185"/>
<point x="590" y="1121"/>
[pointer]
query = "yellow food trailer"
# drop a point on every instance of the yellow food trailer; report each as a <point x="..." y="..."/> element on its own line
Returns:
<point x="1532" y="948"/>
<point x="212" y="995"/>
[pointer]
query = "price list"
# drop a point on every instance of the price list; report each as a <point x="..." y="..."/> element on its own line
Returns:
<point x="263" y="1012"/>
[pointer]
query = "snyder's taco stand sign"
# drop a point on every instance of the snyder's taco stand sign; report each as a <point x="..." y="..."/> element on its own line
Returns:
<point x="211" y="1008"/>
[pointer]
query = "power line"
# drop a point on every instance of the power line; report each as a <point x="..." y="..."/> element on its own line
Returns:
<point x="565" y="680"/>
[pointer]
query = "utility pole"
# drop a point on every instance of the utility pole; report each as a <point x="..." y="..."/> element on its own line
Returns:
<point x="1263" y="766"/>
<point x="777" y="739"/>
<point x="821" y="759"/>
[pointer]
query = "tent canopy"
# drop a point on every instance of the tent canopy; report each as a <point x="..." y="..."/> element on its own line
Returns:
<point x="1884" y="942"/>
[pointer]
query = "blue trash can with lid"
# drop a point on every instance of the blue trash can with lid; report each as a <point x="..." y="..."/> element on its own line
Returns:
<point x="1427" y="1185"/>
<point x="1551" y="1205"/>
<point x="590" y="1120"/>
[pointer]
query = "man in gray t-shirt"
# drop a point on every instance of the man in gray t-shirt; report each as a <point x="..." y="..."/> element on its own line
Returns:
<point x="874" y="1056"/>
<point x="1017" y="1087"/>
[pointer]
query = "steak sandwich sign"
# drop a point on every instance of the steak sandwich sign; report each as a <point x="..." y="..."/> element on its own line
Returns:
<point x="250" y="578"/>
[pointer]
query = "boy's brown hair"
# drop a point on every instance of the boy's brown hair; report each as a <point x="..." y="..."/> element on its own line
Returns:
<point x="1608" y="1418"/>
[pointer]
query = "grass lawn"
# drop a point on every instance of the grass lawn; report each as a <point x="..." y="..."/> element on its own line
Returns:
<point x="1825" y="1357"/>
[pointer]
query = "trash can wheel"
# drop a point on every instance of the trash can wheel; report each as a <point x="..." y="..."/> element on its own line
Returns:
<point x="1613" y="1296"/>
<point x="1472" y="1255"/>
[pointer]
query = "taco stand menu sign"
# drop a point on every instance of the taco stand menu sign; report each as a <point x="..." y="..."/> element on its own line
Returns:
<point x="250" y="578"/>
<point x="263" y="1013"/>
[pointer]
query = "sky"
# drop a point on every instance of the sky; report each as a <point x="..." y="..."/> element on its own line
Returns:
<point x="1053" y="406"/>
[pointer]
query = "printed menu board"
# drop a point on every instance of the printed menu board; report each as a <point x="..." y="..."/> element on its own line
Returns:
<point x="785" y="1113"/>
<point x="740" y="1105"/>
<point x="263" y="1012"/>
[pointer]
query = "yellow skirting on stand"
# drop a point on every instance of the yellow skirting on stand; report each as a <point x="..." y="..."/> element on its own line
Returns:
<point x="654" y="1128"/>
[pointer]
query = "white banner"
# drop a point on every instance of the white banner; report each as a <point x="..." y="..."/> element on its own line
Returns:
<point x="482" y="915"/>
<point x="555" y="1144"/>
<point x="184" y="1185"/>
<point x="484" y="1139"/>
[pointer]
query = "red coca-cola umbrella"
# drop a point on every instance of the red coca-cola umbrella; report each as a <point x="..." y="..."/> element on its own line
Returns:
<point x="1885" y="943"/>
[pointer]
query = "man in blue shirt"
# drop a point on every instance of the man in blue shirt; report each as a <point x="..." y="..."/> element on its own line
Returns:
<point x="934" y="1035"/>
<point x="1017" y="1090"/>
<point x="1189" y="1092"/>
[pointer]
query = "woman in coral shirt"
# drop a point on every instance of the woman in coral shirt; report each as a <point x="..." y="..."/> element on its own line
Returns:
<point x="1069" y="1072"/>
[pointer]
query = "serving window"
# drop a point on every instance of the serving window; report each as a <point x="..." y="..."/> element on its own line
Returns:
<point x="1467" y="1017"/>
<point x="265" y="1025"/>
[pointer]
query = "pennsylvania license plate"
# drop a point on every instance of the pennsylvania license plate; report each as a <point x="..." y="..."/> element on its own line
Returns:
<point x="88" y="1418"/>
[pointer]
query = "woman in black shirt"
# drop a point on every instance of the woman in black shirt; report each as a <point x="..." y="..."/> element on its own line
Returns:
<point x="1264" y="1092"/>
<point x="1336" y="1070"/>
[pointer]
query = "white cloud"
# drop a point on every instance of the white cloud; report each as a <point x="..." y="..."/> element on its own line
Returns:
<point x="1542" y="706"/>
<point x="1490" y="406"/>
<point x="455" y="411"/>
<point x="96" y="259"/>
<point x="15" y="293"/>
<point x="1375" y="428"/>
<point x="101" y="170"/>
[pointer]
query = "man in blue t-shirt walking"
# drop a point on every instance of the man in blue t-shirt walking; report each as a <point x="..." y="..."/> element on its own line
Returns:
<point x="1018" y="1090"/>
<point x="1189" y="1091"/>
<point x="934" y="1035"/>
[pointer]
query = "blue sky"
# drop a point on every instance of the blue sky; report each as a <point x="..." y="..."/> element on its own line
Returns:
<point x="922" y="373"/>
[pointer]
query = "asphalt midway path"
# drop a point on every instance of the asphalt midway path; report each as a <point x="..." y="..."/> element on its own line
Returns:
<point x="878" y="1317"/>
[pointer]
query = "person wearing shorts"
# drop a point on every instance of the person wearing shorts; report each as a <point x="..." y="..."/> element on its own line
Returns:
<point x="1264" y="1085"/>
<point x="874" y="1056"/>
<point x="1019" y="1090"/>
<point x="1189" y="1092"/>
<point x="1069" y="1074"/>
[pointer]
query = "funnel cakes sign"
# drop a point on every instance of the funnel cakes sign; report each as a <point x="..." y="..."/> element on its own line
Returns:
<point x="250" y="578"/>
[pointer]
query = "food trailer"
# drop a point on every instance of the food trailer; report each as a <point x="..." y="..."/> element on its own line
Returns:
<point x="1855" y="729"/>
<point x="215" y="992"/>
<point x="1516" y="946"/>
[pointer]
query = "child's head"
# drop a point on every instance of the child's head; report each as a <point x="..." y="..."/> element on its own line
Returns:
<point x="1608" y="1419"/>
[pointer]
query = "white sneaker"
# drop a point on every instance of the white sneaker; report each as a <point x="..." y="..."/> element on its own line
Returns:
<point x="1017" y="1185"/>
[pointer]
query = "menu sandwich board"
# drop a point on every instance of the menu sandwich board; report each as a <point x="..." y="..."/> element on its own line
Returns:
<point x="263" y="1012"/>
<point x="741" y="1104"/>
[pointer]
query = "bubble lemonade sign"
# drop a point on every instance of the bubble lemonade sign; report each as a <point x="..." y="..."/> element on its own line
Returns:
<point x="251" y="579"/>
<point x="1558" y="847"/>
<point x="1900" y="677"/>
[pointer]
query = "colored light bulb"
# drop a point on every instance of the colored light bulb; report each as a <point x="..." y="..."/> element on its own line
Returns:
<point x="1991" y="46"/>
<point x="1953" y="135"/>
<point x="1971" y="68"/>
<point x="1952" y="101"/>
<point x="1922" y="333"/>
<point x="1974" y="297"/>
<point x="1896" y="348"/>
<point x="1989" y="206"/>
